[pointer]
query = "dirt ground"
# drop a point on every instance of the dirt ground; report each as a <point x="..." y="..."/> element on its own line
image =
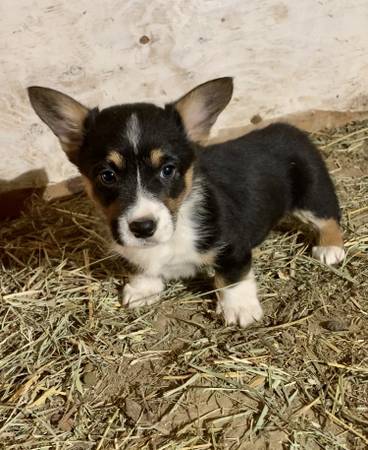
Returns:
<point x="78" y="371"/>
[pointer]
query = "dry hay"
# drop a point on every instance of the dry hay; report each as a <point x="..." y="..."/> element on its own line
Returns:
<point x="77" y="371"/>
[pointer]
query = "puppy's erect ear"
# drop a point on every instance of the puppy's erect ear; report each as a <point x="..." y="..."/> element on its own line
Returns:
<point x="200" y="107"/>
<point x="64" y="115"/>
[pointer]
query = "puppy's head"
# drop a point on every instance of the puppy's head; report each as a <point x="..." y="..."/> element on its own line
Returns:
<point x="136" y="159"/>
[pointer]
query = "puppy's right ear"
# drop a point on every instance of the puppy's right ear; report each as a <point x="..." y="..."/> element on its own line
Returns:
<point x="65" y="116"/>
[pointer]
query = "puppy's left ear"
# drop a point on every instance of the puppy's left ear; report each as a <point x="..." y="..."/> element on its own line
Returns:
<point x="200" y="107"/>
<point x="65" y="116"/>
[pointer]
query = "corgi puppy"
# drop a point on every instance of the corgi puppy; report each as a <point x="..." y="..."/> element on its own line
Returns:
<point x="175" y="206"/>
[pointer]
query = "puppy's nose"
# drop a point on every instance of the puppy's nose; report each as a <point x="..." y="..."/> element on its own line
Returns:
<point x="143" y="228"/>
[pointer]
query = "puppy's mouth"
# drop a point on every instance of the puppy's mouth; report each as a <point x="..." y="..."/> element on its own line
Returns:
<point x="138" y="242"/>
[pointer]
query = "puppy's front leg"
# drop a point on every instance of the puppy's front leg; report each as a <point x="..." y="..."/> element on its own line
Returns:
<point x="142" y="290"/>
<point x="238" y="299"/>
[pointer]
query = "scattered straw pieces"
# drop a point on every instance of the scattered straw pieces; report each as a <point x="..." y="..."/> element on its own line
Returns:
<point x="80" y="372"/>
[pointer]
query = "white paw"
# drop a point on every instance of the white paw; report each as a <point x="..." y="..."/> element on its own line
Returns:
<point x="240" y="304"/>
<point x="241" y="313"/>
<point x="142" y="291"/>
<point x="330" y="255"/>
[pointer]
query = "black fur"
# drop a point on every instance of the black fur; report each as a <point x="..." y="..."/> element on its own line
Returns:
<point x="252" y="182"/>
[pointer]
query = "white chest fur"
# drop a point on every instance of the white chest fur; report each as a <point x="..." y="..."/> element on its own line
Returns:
<point x="177" y="258"/>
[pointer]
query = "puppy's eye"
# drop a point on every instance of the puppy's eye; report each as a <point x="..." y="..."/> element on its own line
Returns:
<point x="167" y="171"/>
<point x="107" y="177"/>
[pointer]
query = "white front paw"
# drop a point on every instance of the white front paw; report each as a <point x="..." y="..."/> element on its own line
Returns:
<point x="330" y="254"/>
<point x="242" y="312"/>
<point x="142" y="291"/>
<point x="240" y="304"/>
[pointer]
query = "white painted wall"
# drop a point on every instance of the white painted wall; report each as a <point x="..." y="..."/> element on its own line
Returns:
<point x="286" y="56"/>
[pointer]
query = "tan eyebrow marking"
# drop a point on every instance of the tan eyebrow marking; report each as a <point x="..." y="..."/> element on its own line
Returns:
<point x="116" y="158"/>
<point x="156" y="156"/>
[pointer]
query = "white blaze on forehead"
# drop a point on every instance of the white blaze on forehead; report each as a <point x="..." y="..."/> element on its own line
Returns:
<point x="133" y="132"/>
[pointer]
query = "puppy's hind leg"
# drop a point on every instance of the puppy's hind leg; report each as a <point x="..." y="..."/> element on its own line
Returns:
<point x="325" y="219"/>
<point x="316" y="203"/>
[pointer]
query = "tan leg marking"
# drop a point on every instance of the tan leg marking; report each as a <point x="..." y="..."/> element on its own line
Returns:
<point x="330" y="248"/>
<point x="330" y="233"/>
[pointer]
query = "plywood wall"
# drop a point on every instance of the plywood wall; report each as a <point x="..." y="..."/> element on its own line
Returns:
<point x="286" y="56"/>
